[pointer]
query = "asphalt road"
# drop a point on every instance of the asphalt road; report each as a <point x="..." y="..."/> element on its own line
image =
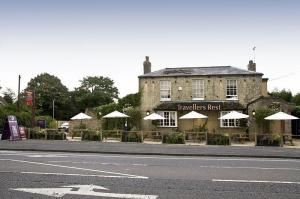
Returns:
<point x="77" y="175"/>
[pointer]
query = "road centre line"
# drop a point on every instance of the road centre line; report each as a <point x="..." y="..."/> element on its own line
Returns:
<point x="257" y="168"/>
<point x="256" y="181"/>
<point x="102" y="163"/>
<point x="71" y="167"/>
<point x="80" y="175"/>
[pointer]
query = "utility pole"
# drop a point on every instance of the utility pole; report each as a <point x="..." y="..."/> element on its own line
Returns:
<point x="33" y="109"/>
<point x="19" y="83"/>
<point x="53" y="108"/>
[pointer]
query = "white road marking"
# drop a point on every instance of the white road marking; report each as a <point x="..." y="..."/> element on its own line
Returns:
<point x="103" y="163"/>
<point x="87" y="190"/>
<point x="71" y="167"/>
<point x="74" y="174"/>
<point x="258" y="168"/>
<point x="255" y="181"/>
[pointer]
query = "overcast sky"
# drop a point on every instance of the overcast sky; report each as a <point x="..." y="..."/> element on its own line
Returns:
<point x="72" y="39"/>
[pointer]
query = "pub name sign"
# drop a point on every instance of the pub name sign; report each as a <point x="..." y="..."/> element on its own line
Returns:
<point x="199" y="107"/>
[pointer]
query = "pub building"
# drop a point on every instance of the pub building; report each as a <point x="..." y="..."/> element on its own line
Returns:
<point x="212" y="91"/>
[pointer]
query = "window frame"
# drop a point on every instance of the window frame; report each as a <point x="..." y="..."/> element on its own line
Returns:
<point x="167" y="122"/>
<point x="198" y="90"/>
<point x="167" y="89"/>
<point x="231" y="89"/>
<point x="235" y="122"/>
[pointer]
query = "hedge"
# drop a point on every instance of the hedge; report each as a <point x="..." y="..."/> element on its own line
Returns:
<point x="217" y="139"/>
<point x="173" y="138"/>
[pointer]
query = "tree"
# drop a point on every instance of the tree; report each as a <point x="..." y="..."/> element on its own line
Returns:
<point x="283" y="94"/>
<point x="296" y="99"/>
<point x="48" y="88"/>
<point x="9" y="96"/>
<point x="95" y="91"/>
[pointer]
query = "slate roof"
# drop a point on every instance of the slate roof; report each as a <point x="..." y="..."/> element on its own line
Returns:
<point x="200" y="71"/>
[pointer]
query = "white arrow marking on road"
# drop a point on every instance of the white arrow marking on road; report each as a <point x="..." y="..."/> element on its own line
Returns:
<point x="87" y="190"/>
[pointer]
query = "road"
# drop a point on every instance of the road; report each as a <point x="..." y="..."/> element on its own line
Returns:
<point x="83" y="175"/>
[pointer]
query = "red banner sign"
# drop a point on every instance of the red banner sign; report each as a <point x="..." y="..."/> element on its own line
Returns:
<point x="29" y="98"/>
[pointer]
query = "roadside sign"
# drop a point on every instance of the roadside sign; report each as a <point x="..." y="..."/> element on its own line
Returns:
<point x="11" y="129"/>
<point x="22" y="132"/>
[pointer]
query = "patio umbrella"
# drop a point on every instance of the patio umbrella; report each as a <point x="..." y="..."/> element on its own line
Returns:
<point x="281" y="116"/>
<point x="233" y="115"/>
<point x="154" y="116"/>
<point x="193" y="115"/>
<point x="81" y="116"/>
<point x="115" y="114"/>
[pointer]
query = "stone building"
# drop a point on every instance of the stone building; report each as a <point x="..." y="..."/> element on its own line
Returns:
<point x="212" y="91"/>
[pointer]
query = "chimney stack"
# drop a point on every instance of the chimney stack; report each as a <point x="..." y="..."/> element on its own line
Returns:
<point x="147" y="65"/>
<point x="252" y="66"/>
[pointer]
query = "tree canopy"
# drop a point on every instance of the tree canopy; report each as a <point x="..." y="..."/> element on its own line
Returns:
<point x="47" y="88"/>
<point x="283" y="94"/>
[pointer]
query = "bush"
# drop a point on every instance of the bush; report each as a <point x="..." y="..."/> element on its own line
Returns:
<point x="173" y="138"/>
<point x="54" y="134"/>
<point x="217" y="139"/>
<point x="269" y="140"/>
<point x="36" y="134"/>
<point x="131" y="137"/>
<point x="90" y="135"/>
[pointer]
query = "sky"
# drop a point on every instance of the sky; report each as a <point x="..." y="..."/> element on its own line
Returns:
<point x="72" y="39"/>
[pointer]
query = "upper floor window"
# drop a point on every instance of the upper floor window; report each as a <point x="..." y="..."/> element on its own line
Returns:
<point x="231" y="90"/>
<point x="198" y="89"/>
<point x="229" y="122"/>
<point x="165" y="90"/>
<point x="171" y="119"/>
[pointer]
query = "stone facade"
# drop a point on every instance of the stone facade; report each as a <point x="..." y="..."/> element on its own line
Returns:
<point x="250" y="86"/>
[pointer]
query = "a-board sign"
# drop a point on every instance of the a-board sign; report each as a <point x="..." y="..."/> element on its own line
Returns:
<point x="11" y="129"/>
<point x="22" y="132"/>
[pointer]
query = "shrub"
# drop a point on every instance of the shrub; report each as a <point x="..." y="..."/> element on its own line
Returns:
<point x="36" y="134"/>
<point x="131" y="137"/>
<point x="90" y="135"/>
<point x="218" y="139"/>
<point x="54" y="134"/>
<point x="269" y="140"/>
<point x="173" y="138"/>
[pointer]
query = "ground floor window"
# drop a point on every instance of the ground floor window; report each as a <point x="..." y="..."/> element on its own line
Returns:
<point x="171" y="119"/>
<point x="228" y="122"/>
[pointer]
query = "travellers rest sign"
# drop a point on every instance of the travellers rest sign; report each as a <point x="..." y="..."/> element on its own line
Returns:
<point x="199" y="107"/>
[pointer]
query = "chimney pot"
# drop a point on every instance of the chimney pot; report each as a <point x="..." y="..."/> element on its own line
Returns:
<point x="252" y="66"/>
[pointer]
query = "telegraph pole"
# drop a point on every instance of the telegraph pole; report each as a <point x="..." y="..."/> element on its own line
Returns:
<point x="19" y="83"/>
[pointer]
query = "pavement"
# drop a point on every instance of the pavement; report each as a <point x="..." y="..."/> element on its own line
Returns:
<point x="150" y="149"/>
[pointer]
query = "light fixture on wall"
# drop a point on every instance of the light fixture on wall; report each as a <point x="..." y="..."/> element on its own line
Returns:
<point x="253" y="112"/>
<point x="147" y="112"/>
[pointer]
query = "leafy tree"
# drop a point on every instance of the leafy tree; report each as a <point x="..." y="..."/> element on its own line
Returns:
<point x="283" y="94"/>
<point x="94" y="91"/>
<point x="296" y="99"/>
<point x="48" y="88"/>
<point x="9" y="96"/>
<point x="133" y="100"/>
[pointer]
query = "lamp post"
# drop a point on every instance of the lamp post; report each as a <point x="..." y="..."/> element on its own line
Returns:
<point x="254" y="124"/>
<point x="53" y="108"/>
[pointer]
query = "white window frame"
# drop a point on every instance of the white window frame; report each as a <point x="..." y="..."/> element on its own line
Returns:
<point x="165" y="87"/>
<point x="198" y="89"/>
<point x="229" y="123"/>
<point x="168" y="122"/>
<point x="231" y="89"/>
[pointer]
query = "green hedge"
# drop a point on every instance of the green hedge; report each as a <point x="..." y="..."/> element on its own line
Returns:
<point x="173" y="138"/>
<point x="130" y="137"/>
<point x="217" y="139"/>
<point x="54" y="134"/>
<point x="36" y="134"/>
<point x="91" y="135"/>
<point x="269" y="140"/>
